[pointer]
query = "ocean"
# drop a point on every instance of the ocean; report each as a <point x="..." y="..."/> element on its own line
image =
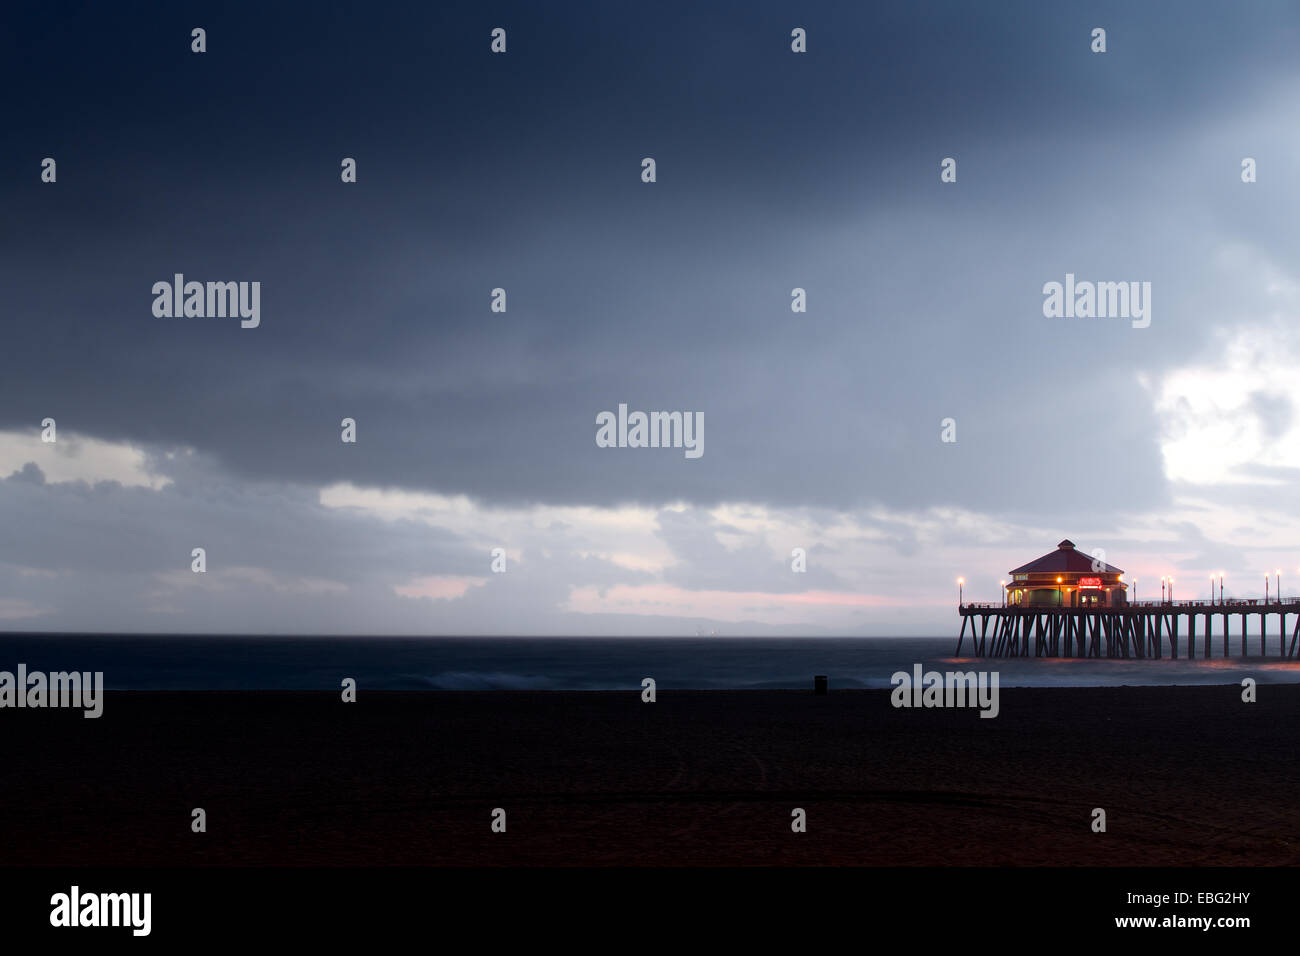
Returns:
<point x="186" y="662"/>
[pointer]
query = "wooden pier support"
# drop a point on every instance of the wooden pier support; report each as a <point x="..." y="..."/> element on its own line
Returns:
<point x="1128" y="631"/>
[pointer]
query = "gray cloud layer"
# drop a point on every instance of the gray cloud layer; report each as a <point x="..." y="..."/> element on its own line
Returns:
<point x="775" y="171"/>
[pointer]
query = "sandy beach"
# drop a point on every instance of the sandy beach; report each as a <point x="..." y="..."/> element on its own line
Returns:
<point x="1186" y="775"/>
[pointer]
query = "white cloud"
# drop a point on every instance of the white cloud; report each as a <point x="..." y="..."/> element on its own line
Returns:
<point x="1226" y="418"/>
<point x="16" y="609"/>
<point x="241" y="577"/>
<point x="439" y="587"/>
<point x="77" y="458"/>
<point x="625" y="536"/>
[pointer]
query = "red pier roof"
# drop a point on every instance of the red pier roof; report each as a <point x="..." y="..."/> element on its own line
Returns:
<point x="1065" y="558"/>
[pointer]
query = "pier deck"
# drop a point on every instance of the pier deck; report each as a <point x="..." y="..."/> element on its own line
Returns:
<point x="1149" y="629"/>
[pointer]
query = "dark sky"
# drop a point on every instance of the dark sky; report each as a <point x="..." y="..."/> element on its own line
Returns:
<point x="522" y="171"/>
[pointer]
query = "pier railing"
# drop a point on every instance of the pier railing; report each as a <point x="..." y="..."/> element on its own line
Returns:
<point x="1233" y="603"/>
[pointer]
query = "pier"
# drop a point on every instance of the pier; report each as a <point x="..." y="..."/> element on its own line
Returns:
<point x="1143" y="629"/>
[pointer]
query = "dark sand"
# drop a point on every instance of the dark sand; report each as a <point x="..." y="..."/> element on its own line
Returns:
<point x="1187" y="775"/>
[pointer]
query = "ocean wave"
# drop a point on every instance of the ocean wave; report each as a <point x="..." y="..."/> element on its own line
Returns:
<point x="486" y="680"/>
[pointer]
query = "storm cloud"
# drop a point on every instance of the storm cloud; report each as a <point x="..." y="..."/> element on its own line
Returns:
<point x="521" y="171"/>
